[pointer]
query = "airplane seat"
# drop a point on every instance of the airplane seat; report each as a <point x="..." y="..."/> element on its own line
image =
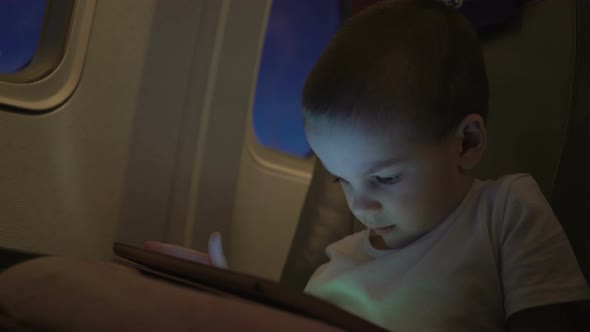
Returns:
<point x="538" y="123"/>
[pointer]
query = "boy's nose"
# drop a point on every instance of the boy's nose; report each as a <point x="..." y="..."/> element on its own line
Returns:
<point x="364" y="205"/>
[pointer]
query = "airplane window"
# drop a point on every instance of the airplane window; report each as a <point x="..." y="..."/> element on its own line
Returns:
<point x="296" y="34"/>
<point x="21" y="23"/>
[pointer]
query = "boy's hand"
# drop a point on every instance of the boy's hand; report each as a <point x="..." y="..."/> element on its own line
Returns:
<point x="215" y="256"/>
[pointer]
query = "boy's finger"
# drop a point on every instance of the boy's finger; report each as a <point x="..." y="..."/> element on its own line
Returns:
<point x="216" y="251"/>
<point x="177" y="251"/>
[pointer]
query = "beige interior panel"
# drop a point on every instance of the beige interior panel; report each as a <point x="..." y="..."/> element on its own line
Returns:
<point x="61" y="173"/>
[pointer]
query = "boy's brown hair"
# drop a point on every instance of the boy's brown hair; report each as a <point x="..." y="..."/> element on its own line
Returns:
<point x="415" y="60"/>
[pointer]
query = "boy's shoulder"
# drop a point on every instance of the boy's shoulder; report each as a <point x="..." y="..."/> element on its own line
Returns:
<point x="519" y="184"/>
<point x="537" y="262"/>
<point x="513" y="192"/>
<point x="515" y="211"/>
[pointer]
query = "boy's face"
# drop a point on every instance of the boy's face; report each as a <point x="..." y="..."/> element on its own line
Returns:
<point x="398" y="188"/>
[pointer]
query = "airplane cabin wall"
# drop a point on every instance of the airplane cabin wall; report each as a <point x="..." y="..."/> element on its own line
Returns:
<point x="195" y="166"/>
<point x="155" y="142"/>
<point x="61" y="172"/>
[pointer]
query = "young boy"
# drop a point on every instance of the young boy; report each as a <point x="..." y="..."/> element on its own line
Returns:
<point x="395" y="108"/>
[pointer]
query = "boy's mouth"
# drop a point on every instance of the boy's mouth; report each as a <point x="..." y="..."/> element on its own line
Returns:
<point x="383" y="230"/>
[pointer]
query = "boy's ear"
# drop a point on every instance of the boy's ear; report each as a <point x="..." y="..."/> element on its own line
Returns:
<point x="472" y="137"/>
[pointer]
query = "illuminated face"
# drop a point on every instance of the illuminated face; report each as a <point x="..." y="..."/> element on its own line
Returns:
<point x="398" y="188"/>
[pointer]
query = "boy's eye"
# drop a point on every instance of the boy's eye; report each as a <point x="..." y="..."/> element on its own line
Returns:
<point x="340" y="180"/>
<point x="388" y="180"/>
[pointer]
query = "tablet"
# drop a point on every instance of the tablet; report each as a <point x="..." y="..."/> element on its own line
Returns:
<point x="234" y="284"/>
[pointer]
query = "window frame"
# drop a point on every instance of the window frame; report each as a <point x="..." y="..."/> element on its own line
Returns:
<point x="273" y="160"/>
<point x="55" y="70"/>
<point x="276" y="161"/>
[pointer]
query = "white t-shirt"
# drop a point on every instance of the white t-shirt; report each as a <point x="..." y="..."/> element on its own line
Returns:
<point x="501" y="251"/>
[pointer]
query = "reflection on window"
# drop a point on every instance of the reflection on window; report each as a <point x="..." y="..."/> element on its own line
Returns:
<point x="21" y="22"/>
<point x="297" y="33"/>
